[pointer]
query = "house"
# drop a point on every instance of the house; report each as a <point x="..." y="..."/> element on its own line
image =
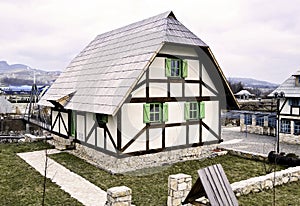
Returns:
<point x="244" y="95"/>
<point x="143" y="88"/>
<point x="289" y="108"/>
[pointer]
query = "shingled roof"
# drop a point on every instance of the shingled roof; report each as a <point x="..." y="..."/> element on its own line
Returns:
<point x="101" y="77"/>
<point x="288" y="87"/>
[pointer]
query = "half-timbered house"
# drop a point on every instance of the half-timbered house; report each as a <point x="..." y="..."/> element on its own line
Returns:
<point x="289" y="108"/>
<point x="142" y="88"/>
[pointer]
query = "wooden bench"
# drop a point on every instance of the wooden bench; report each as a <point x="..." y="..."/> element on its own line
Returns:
<point x="214" y="185"/>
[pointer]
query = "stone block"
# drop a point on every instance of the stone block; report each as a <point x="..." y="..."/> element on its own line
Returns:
<point x="182" y="186"/>
<point x="119" y="191"/>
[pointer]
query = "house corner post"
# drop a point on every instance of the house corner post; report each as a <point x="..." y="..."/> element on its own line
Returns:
<point x="179" y="186"/>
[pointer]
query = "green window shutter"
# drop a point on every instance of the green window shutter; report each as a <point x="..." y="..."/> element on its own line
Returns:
<point x="165" y="112"/>
<point x="168" y="67"/>
<point x="73" y="124"/>
<point x="202" y="110"/>
<point x="146" y="108"/>
<point x="184" y="69"/>
<point x="187" y="111"/>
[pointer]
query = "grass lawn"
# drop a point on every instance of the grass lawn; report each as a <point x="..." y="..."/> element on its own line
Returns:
<point x="20" y="184"/>
<point x="150" y="186"/>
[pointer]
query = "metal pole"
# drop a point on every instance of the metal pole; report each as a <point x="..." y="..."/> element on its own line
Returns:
<point x="278" y="129"/>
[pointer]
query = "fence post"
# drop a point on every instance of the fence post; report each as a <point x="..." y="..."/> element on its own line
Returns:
<point x="179" y="186"/>
<point x="119" y="196"/>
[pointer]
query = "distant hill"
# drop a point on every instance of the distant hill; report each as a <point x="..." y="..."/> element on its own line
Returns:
<point x="253" y="83"/>
<point x="21" y="74"/>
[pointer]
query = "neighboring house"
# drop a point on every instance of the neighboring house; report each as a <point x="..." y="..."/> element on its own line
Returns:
<point x="143" y="88"/>
<point x="289" y="108"/>
<point x="244" y="95"/>
<point x="5" y="106"/>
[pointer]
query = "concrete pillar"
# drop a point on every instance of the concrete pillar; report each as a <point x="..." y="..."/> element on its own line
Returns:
<point x="253" y="120"/>
<point x="118" y="196"/>
<point x="266" y="121"/>
<point x="179" y="186"/>
<point x="292" y="127"/>
<point x="242" y="122"/>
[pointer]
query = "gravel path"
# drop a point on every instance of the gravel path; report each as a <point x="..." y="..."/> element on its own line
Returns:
<point x="78" y="187"/>
<point x="234" y="139"/>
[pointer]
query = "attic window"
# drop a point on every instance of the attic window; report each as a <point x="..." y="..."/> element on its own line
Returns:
<point x="176" y="68"/>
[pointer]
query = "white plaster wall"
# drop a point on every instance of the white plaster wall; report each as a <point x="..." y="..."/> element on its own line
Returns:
<point x="132" y="121"/>
<point x="175" y="136"/>
<point x="65" y="119"/>
<point x="193" y="70"/>
<point x="176" y="89"/>
<point x="100" y="137"/>
<point x="80" y="127"/>
<point x="90" y="121"/>
<point x="207" y="92"/>
<point x="212" y="115"/>
<point x="295" y="111"/>
<point x="191" y="90"/>
<point x="158" y="90"/>
<point x="207" y="79"/>
<point x="207" y="136"/>
<point x="178" y="50"/>
<point x="286" y="108"/>
<point x="137" y="145"/>
<point x="112" y="127"/>
<point x="56" y="127"/>
<point x="194" y="134"/>
<point x="176" y="112"/>
<point x="157" y="69"/>
<point x="155" y="138"/>
<point x="140" y="92"/>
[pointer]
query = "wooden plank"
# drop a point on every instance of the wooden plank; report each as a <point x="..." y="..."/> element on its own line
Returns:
<point x="228" y="186"/>
<point x="208" y="187"/>
<point x="213" y="184"/>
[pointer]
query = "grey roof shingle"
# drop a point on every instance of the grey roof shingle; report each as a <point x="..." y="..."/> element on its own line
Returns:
<point x="288" y="87"/>
<point x="103" y="74"/>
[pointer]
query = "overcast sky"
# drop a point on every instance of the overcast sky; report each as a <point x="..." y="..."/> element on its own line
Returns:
<point x="254" y="38"/>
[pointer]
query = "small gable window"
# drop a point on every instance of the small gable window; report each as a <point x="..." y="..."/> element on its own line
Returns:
<point x="155" y="112"/>
<point x="176" y="68"/>
<point x="194" y="110"/>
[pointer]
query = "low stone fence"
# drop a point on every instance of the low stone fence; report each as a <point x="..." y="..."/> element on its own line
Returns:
<point x="257" y="184"/>
<point x="179" y="185"/>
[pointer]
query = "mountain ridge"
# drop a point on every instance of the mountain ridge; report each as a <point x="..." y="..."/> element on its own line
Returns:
<point x="20" y="74"/>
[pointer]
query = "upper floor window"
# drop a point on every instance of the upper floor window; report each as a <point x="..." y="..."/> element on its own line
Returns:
<point x="176" y="68"/>
<point x="294" y="102"/>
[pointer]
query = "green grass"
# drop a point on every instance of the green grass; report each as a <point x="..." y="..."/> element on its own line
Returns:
<point x="286" y="195"/>
<point x="150" y="186"/>
<point x="20" y="184"/>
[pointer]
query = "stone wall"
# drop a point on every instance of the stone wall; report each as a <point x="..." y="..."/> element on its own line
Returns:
<point x="257" y="129"/>
<point x="257" y="184"/>
<point x="288" y="138"/>
<point x="132" y="163"/>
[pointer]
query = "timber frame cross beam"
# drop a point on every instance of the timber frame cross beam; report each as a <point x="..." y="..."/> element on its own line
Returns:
<point x="214" y="185"/>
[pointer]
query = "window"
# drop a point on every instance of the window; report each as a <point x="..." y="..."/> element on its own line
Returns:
<point x="194" y="110"/>
<point x="296" y="127"/>
<point x="294" y="102"/>
<point x="248" y="119"/>
<point x="260" y="121"/>
<point x="102" y="119"/>
<point x="155" y="112"/>
<point x="285" y="126"/>
<point x="272" y="121"/>
<point x="176" y="68"/>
